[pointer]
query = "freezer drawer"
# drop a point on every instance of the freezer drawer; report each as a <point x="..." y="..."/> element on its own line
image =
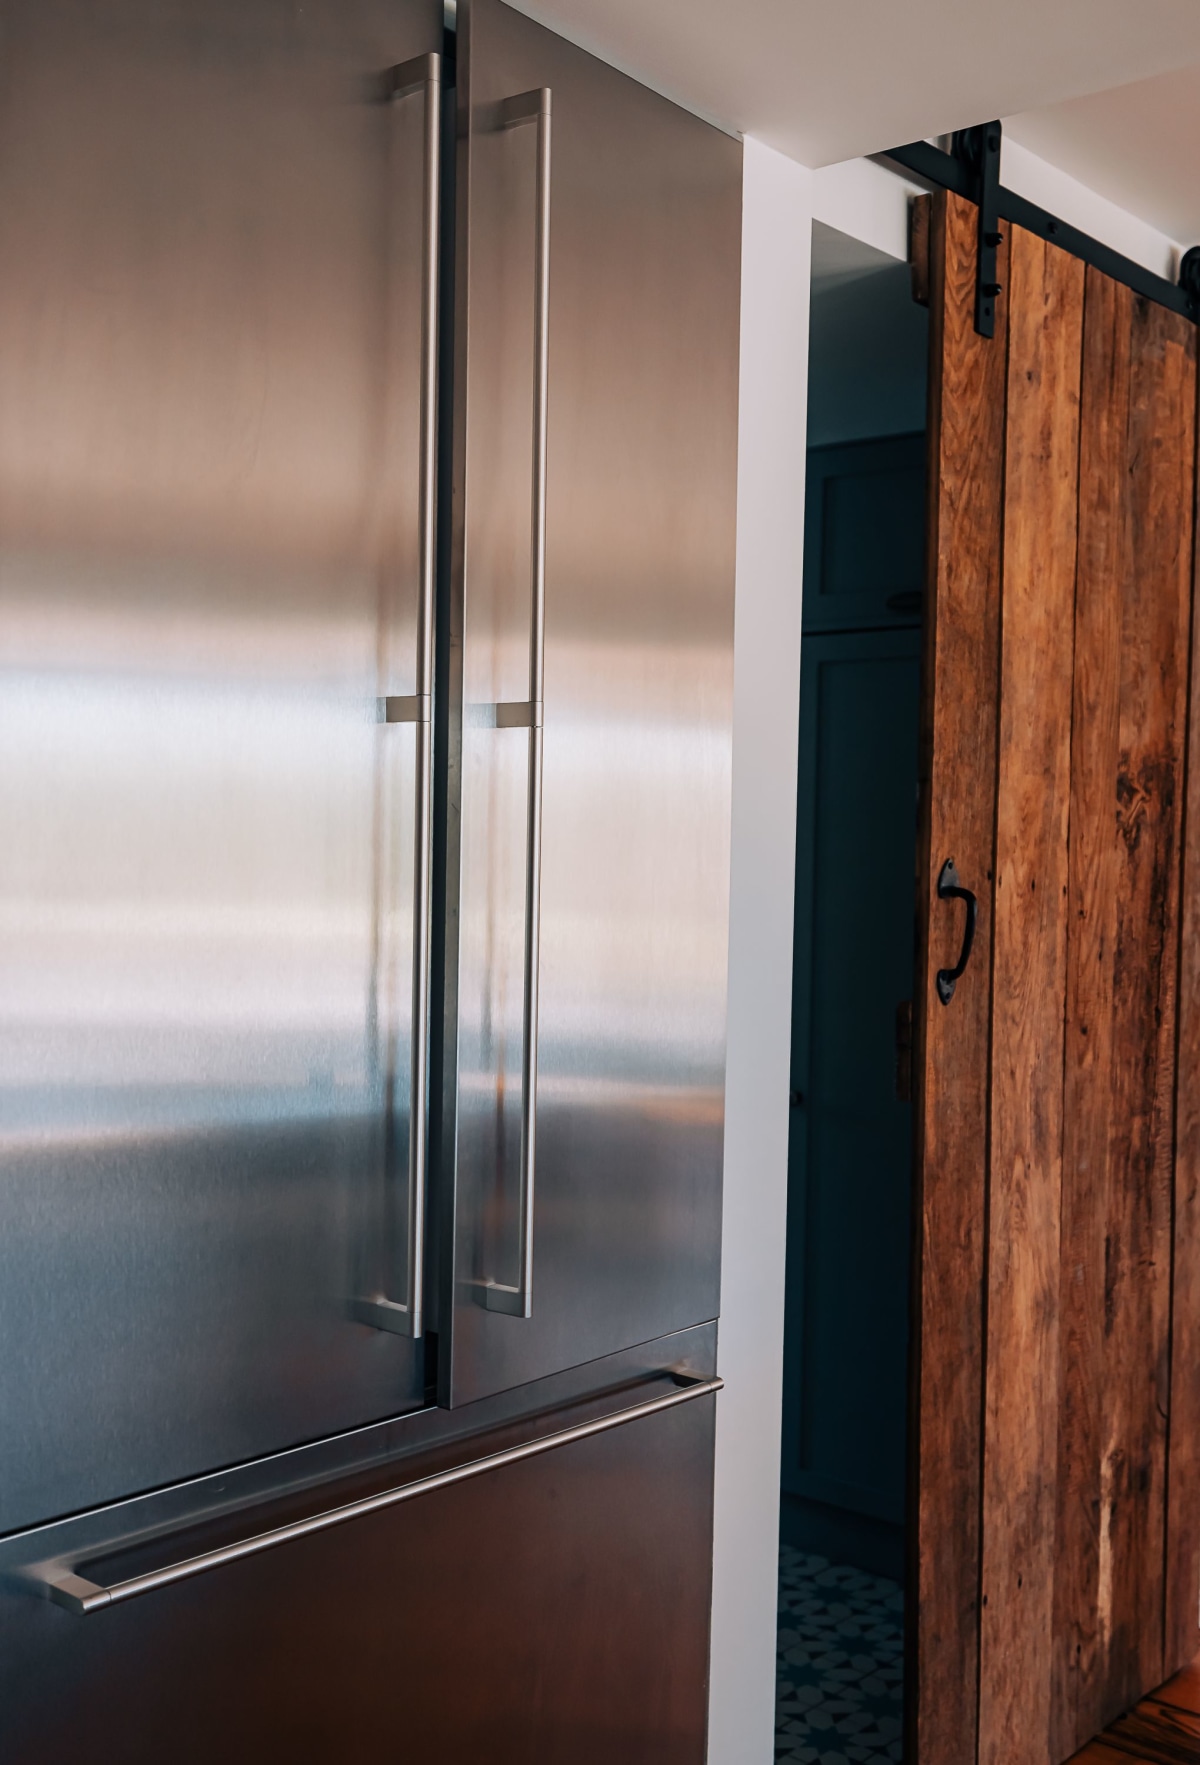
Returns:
<point x="553" y="1610"/>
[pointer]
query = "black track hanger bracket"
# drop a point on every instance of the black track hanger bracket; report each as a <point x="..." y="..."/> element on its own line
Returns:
<point x="1189" y="278"/>
<point x="978" y="150"/>
<point x="965" y="171"/>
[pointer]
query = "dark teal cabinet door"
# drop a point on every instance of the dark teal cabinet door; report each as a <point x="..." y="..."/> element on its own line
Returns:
<point x="850" y="1151"/>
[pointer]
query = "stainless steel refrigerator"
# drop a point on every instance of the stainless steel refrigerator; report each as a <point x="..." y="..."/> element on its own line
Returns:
<point x="367" y="482"/>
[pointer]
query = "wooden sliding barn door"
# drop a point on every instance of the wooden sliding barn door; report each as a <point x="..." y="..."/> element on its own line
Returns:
<point x="1053" y="1435"/>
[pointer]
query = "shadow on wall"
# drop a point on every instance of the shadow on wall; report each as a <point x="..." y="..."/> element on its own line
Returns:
<point x="867" y="354"/>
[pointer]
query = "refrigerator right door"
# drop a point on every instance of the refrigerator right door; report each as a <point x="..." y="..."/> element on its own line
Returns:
<point x="590" y="684"/>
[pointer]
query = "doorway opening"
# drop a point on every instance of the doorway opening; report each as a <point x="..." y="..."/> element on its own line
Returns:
<point x="842" y="1528"/>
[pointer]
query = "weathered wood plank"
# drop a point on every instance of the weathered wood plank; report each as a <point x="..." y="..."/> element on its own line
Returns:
<point x="1103" y="569"/>
<point x="1132" y="608"/>
<point x="959" y="731"/>
<point x="1182" y="1625"/>
<point x="1149" y="791"/>
<point x="1029" y="986"/>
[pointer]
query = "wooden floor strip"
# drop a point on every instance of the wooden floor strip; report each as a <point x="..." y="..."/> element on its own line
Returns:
<point x="1182" y="1692"/>
<point x="1099" y="1753"/>
<point x="1163" y="1729"/>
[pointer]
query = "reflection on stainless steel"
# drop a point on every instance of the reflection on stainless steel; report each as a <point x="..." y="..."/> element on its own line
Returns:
<point x="406" y="1316"/>
<point x="382" y="1452"/>
<point x="81" y="1596"/>
<point x="516" y="1300"/>
<point x="214" y="561"/>
<point x="640" y="473"/>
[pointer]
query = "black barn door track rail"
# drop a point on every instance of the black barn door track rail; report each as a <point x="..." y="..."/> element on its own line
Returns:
<point x="972" y="170"/>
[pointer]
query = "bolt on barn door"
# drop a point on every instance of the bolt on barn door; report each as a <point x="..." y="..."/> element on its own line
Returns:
<point x="1055" y="712"/>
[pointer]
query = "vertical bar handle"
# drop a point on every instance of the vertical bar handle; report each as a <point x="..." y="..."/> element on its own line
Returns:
<point x="532" y="107"/>
<point x="406" y="1318"/>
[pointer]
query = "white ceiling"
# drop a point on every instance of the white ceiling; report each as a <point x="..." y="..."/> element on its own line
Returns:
<point x="827" y="80"/>
<point x="1137" y="145"/>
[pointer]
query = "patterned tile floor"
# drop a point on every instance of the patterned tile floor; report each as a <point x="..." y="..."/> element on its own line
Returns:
<point x="839" y="1664"/>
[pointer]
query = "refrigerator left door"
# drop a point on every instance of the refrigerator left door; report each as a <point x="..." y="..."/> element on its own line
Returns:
<point x="216" y="444"/>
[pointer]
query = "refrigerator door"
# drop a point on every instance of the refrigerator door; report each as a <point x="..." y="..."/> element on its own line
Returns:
<point x="215" y="324"/>
<point x="590" y="659"/>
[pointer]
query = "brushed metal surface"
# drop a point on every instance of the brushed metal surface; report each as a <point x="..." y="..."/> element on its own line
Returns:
<point x="78" y="1595"/>
<point x="407" y="1316"/>
<point x="515" y="1298"/>
<point x="146" y="1530"/>
<point x="640" y="485"/>
<point x="551" y="1612"/>
<point x="210" y="467"/>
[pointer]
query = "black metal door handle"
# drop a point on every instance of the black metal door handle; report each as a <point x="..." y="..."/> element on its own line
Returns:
<point x="949" y="888"/>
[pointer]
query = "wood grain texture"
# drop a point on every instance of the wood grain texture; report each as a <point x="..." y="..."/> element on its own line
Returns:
<point x="1103" y="560"/>
<point x="1181" y="1624"/>
<point x="1156" y="1734"/>
<point x="958" y="747"/>
<point x="1098" y="1752"/>
<point x="1131" y="633"/>
<point x="1029" y="961"/>
<point x="1055" y="1536"/>
<point x="1163" y="1729"/>
<point x="1153" y="1716"/>
<point x="1182" y="1690"/>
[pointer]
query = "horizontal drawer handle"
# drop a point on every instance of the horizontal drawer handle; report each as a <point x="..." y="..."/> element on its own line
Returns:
<point x="77" y="1594"/>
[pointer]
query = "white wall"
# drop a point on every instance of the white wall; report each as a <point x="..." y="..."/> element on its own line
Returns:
<point x="776" y="241"/>
<point x="866" y="202"/>
<point x="1043" y="183"/>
